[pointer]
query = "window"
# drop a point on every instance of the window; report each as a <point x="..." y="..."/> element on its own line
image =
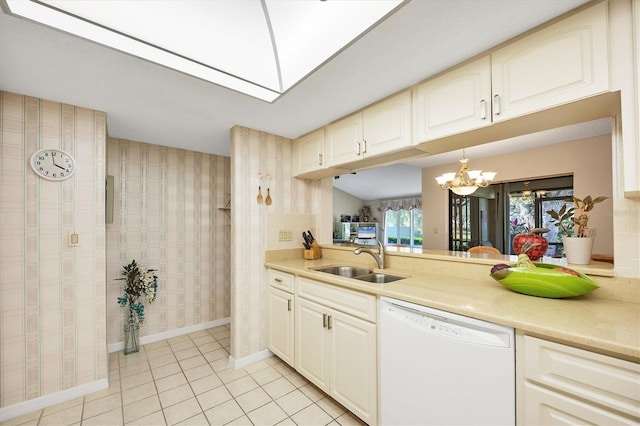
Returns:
<point x="403" y="227"/>
<point x="494" y="215"/>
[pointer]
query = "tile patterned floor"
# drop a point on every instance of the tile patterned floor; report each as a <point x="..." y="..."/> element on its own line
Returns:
<point x="186" y="380"/>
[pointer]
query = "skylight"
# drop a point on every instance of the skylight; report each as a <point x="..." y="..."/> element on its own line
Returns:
<point x="261" y="48"/>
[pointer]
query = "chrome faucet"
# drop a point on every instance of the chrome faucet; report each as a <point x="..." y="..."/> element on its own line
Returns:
<point x="378" y="257"/>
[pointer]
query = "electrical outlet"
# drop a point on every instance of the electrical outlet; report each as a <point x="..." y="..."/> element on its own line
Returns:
<point x="285" y="235"/>
<point x="74" y="240"/>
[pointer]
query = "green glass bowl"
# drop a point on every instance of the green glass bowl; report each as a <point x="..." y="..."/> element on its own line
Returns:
<point x="545" y="280"/>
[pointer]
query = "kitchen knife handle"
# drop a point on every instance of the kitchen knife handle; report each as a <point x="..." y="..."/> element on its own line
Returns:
<point x="324" y="320"/>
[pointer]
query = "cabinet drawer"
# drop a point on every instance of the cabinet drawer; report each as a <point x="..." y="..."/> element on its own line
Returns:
<point x="358" y="304"/>
<point x="546" y="407"/>
<point x="600" y="379"/>
<point x="281" y="280"/>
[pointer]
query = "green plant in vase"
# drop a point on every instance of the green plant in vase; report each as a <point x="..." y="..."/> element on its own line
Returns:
<point x="141" y="283"/>
<point x="576" y="215"/>
<point x="573" y="222"/>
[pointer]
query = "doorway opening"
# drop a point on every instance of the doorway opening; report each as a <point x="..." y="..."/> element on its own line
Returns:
<point x="494" y="215"/>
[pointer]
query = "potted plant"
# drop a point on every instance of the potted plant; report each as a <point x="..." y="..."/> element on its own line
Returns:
<point x="575" y="220"/>
<point x="141" y="283"/>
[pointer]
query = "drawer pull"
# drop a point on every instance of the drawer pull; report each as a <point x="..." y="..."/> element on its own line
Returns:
<point x="278" y="280"/>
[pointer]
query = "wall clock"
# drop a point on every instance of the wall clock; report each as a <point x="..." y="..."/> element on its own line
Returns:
<point x="53" y="164"/>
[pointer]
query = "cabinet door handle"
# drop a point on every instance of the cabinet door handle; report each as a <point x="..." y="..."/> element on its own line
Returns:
<point x="364" y="146"/>
<point x="319" y="159"/>
<point x="496" y="104"/>
<point x="357" y="148"/>
<point x="483" y="109"/>
<point x="330" y="322"/>
<point x="288" y="304"/>
<point x="324" y="320"/>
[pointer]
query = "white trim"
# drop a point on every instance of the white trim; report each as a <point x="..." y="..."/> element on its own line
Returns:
<point x="41" y="402"/>
<point x="248" y="360"/>
<point x="118" y="346"/>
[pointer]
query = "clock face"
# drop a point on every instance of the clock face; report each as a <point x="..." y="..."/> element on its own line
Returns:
<point x="53" y="164"/>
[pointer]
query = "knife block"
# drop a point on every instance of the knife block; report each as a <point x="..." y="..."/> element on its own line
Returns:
<point x="313" y="253"/>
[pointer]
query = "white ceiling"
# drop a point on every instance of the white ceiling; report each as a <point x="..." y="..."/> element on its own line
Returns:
<point x="281" y="41"/>
<point x="150" y="103"/>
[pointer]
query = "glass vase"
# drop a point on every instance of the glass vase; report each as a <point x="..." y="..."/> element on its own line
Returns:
<point x="131" y="337"/>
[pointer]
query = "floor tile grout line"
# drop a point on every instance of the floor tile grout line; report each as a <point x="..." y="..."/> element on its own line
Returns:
<point x="282" y="373"/>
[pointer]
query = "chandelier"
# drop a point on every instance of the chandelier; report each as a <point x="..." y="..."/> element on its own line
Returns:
<point x="466" y="181"/>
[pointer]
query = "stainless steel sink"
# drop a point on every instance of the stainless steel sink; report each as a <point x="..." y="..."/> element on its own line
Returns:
<point x="343" y="271"/>
<point x="358" y="273"/>
<point x="378" y="278"/>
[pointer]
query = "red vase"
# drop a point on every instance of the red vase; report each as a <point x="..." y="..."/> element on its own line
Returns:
<point x="535" y="252"/>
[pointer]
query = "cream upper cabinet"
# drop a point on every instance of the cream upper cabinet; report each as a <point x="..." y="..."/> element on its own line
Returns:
<point x="565" y="385"/>
<point x="344" y="138"/>
<point x="457" y="101"/>
<point x="308" y="152"/>
<point x="336" y="344"/>
<point x="566" y="61"/>
<point x="379" y="129"/>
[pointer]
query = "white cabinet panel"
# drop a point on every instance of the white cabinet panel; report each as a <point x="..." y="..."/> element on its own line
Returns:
<point x="387" y="125"/>
<point x="382" y="128"/>
<point x="343" y="140"/>
<point x="561" y="63"/>
<point x="546" y="407"/>
<point x="308" y="152"/>
<point x="336" y="351"/>
<point x="457" y="101"/>
<point x="281" y="324"/>
<point x="567" y="385"/>
<point x="312" y="353"/>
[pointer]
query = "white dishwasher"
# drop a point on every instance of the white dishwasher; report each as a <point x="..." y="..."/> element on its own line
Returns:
<point x="439" y="368"/>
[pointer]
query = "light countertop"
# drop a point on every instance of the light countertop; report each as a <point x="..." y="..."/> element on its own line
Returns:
<point x="606" y="326"/>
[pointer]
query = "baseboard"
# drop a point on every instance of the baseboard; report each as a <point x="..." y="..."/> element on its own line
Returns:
<point x="41" y="402"/>
<point x="248" y="360"/>
<point x="118" y="346"/>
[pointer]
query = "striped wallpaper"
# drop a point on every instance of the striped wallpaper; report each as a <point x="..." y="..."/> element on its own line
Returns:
<point x="52" y="295"/>
<point x="166" y="216"/>
<point x="254" y="152"/>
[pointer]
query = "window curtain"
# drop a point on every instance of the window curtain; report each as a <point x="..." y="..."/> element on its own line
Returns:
<point x="402" y="204"/>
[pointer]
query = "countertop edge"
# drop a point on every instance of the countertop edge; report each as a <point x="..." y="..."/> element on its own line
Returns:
<point x="452" y="299"/>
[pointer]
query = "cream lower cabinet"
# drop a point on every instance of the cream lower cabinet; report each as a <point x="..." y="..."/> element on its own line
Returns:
<point x="281" y="315"/>
<point x="563" y="385"/>
<point x="335" y="350"/>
